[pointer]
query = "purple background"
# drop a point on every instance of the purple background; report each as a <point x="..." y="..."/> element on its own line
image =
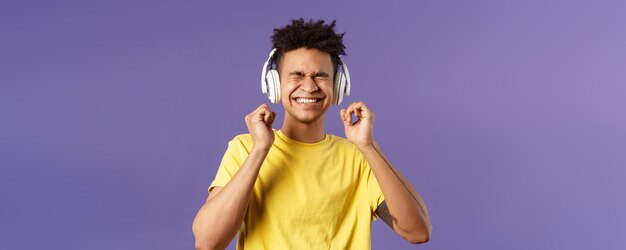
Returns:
<point x="509" y="117"/>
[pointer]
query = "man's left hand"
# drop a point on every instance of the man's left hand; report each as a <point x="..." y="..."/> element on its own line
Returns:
<point x="361" y="131"/>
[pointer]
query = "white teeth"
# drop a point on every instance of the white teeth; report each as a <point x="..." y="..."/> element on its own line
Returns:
<point x="304" y="100"/>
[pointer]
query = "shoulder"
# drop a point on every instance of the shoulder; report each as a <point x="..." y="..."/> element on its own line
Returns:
<point x="240" y="142"/>
<point x="242" y="138"/>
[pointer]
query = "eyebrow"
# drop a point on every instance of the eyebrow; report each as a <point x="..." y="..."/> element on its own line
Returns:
<point x="315" y="74"/>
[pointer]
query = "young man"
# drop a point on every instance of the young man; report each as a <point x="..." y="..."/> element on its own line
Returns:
<point x="298" y="187"/>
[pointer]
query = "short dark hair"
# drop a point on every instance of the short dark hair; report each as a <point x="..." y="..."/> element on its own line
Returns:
<point x="312" y="35"/>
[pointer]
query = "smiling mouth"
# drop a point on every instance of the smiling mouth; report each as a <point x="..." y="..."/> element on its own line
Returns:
<point x="307" y="100"/>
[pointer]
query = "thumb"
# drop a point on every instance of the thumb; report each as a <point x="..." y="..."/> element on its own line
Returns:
<point x="271" y="119"/>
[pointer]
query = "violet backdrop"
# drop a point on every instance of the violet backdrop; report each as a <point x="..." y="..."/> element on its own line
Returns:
<point x="509" y="117"/>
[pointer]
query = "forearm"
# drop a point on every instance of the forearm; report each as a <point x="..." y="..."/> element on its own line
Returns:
<point x="406" y="206"/>
<point x="221" y="216"/>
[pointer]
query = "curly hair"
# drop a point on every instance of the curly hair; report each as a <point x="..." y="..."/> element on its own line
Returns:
<point x="311" y="34"/>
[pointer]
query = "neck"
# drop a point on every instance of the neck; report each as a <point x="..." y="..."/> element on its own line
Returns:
<point x="304" y="132"/>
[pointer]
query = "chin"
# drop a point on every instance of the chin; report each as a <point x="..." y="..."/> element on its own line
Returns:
<point x="306" y="118"/>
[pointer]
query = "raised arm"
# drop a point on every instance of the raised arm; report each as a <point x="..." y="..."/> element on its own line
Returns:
<point x="403" y="208"/>
<point x="221" y="216"/>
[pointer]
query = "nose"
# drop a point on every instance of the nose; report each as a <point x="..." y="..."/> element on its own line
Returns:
<point x="308" y="84"/>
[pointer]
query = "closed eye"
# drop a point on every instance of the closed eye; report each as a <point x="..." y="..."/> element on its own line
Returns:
<point x="320" y="75"/>
<point x="296" y="75"/>
<point x="299" y="75"/>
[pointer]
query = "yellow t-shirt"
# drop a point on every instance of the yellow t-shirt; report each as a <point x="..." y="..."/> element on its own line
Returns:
<point x="307" y="195"/>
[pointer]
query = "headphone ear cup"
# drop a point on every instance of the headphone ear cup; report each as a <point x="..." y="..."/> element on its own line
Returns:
<point x="339" y="88"/>
<point x="273" y="82"/>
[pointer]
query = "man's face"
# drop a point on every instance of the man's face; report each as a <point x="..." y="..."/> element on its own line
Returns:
<point x="306" y="77"/>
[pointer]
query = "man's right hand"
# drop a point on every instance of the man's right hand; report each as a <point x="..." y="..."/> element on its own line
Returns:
<point x="259" y="123"/>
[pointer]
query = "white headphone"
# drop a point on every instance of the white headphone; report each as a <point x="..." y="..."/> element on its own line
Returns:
<point x="270" y="81"/>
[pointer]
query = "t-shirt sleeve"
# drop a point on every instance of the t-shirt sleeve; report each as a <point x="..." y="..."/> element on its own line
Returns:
<point x="232" y="160"/>
<point x="374" y="193"/>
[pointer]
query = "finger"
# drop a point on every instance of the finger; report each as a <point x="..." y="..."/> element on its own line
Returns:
<point x="254" y="114"/>
<point x="266" y="115"/>
<point x="354" y="109"/>
<point x="357" y="112"/>
<point x="349" y="111"/>
<point x="347" y="114"/>
<point x="362" y="111"/>
<point x="358" y="106"/>
<point x="271" y="120"/>
<point x="344" y="119"/>
<point x="344" y="115"/>
<point x="260" y="107"/>
<point x="366" y="111"/>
